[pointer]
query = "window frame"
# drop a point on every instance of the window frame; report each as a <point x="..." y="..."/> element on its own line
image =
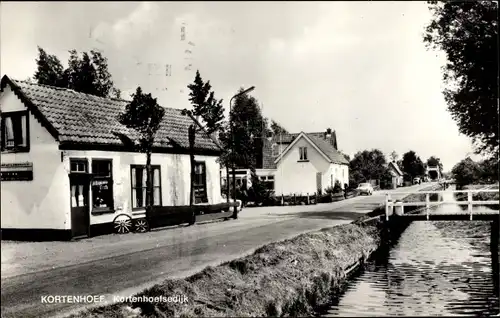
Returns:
<point x="153" y="167"/>
<point x="15" y="149"/>
<point x="204" y="197"/>
<point x="303" y="154"/>
<point x="79" y="160"/>
<point x="110" y="209"/>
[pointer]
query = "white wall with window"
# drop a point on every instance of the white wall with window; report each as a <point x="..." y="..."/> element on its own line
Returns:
<point x="31" y="204"/>
<point x="127" y="181"/>
<point x="15" y="130"/>
<point x="297" y="170"/>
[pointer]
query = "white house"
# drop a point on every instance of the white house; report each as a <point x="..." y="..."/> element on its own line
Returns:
<point x="68" y="166"/>
<point x="397" y="174"/>
<point x="300" y="163"/>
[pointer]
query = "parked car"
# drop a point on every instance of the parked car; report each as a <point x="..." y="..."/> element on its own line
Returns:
<point x="416" y="180"/>
<point x="365" y="188"/>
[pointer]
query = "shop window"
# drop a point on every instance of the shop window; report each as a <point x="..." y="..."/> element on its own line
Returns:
<point x="102" y="185"/>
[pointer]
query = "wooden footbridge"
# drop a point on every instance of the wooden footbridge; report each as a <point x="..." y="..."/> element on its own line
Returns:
<point x="465" y="206"/>
<point x="425" y="210"/>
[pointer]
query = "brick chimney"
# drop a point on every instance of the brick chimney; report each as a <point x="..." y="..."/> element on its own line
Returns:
<point x="331" y="136"/>
<point x="328" y="133"/>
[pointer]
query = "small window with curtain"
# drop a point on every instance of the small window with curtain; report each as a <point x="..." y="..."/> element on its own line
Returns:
<point x="200" y="183"/>
<point x="303" y="154"/>
<point x="15" y="131"/>
<point x="138" y="178"/>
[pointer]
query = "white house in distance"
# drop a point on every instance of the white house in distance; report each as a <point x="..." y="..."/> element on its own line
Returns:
<point x="68" y="167"/>
<point x="300" y="164"/>
<point x="397" y="174"/>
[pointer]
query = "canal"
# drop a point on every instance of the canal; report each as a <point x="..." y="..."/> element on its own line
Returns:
<point x="435" y="268"/>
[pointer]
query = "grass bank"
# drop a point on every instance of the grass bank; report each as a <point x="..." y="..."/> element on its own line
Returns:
<point x="290" y="278"/>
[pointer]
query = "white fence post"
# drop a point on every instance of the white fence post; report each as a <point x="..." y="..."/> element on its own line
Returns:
<point x="469" y="200"/>
<point x="427" y="204"/>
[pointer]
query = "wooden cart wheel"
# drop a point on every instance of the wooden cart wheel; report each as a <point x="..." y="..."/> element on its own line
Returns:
<point x="141" y="225"/>
<point x="122" y="223"/>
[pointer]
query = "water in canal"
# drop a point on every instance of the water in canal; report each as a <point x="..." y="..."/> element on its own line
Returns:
<point x="435" y="268"/>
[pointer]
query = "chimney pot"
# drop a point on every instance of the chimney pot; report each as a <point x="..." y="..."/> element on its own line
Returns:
<point x="328" y="133"/>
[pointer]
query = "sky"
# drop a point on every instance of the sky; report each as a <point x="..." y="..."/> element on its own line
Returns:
<point x="359" y="68"/>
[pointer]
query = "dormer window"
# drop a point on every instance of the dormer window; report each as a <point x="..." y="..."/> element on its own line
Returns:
<point x="15" y="136"/>
<point x="303" y="154"/>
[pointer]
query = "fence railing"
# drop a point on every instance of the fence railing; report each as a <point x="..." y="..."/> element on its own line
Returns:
<point x="428" y="205"/>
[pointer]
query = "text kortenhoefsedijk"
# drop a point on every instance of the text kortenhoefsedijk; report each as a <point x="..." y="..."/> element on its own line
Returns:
<point x="89" y="299"/>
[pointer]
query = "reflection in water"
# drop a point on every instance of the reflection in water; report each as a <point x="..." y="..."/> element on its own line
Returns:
<point x="436" y="268"/>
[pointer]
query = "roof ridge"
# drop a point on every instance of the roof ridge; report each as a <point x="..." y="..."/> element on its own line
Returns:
<point x="55" y="108"/>
<point x="81" y="93"/>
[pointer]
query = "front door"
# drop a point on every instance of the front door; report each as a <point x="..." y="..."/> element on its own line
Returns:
<point x="80" y="219"/>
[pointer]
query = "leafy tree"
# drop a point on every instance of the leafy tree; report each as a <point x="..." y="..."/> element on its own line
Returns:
<point x="244" y="143"/>
<point x="467" y="32"/>
<point x="277" y="128"/>
<point x="49" y="69"/>
<point x="367" y="165"/>
<point x="88" y="74"/>
<point x="412" y="165"/>
<point x="466" y="172"/>
<point x="205" y="105"/>
<point x="144" y="115"/>
<point x="489" y="170"/>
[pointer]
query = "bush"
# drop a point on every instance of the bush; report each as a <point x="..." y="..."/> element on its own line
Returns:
<point x="325" y="198"/>
<point x="329" y="190"/>
<point x="338" y="187"/>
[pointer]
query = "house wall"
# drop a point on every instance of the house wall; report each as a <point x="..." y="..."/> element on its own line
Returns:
<point x="338" y="172"/>
<point x="300" y="177"/>
<point x="44" y="202"/>
<point x="175" y="179"/>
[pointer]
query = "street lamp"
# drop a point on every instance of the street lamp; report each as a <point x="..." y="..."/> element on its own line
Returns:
<point x="248" y="90"/>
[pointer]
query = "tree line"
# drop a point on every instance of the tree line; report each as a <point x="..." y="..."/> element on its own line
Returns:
<point x="372" y="164"/>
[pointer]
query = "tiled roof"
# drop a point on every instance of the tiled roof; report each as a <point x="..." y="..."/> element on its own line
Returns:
<point x="327" y="148"/>
<point x="326" y="145"/>
<point x="396" y="167"/>
<point x="87" y="119"/>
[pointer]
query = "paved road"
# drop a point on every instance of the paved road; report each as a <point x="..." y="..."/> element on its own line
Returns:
<point x="122" y="265"/>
